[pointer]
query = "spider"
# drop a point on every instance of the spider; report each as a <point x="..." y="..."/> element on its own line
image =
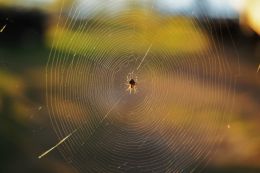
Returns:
<point x="131" y="83"/>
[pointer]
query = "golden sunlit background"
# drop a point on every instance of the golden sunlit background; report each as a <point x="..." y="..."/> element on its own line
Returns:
<point x="64" y="73"/>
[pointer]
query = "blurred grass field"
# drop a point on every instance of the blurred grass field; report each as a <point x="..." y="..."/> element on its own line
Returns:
<point x="129" y="33"/>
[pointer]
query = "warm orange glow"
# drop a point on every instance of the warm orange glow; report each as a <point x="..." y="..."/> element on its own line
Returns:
<point x="253" y="15"/>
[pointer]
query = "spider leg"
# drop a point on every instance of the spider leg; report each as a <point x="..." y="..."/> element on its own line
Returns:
<point x="129" y="89"/>
<point x="132" y="75"/>
<point x="129" y="77"/>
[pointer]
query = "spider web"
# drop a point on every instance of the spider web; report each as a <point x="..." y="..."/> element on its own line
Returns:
<point x="184" y="92"/>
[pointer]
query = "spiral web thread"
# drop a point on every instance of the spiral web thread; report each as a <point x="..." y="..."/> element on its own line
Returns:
<point x="183" y="101"/>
